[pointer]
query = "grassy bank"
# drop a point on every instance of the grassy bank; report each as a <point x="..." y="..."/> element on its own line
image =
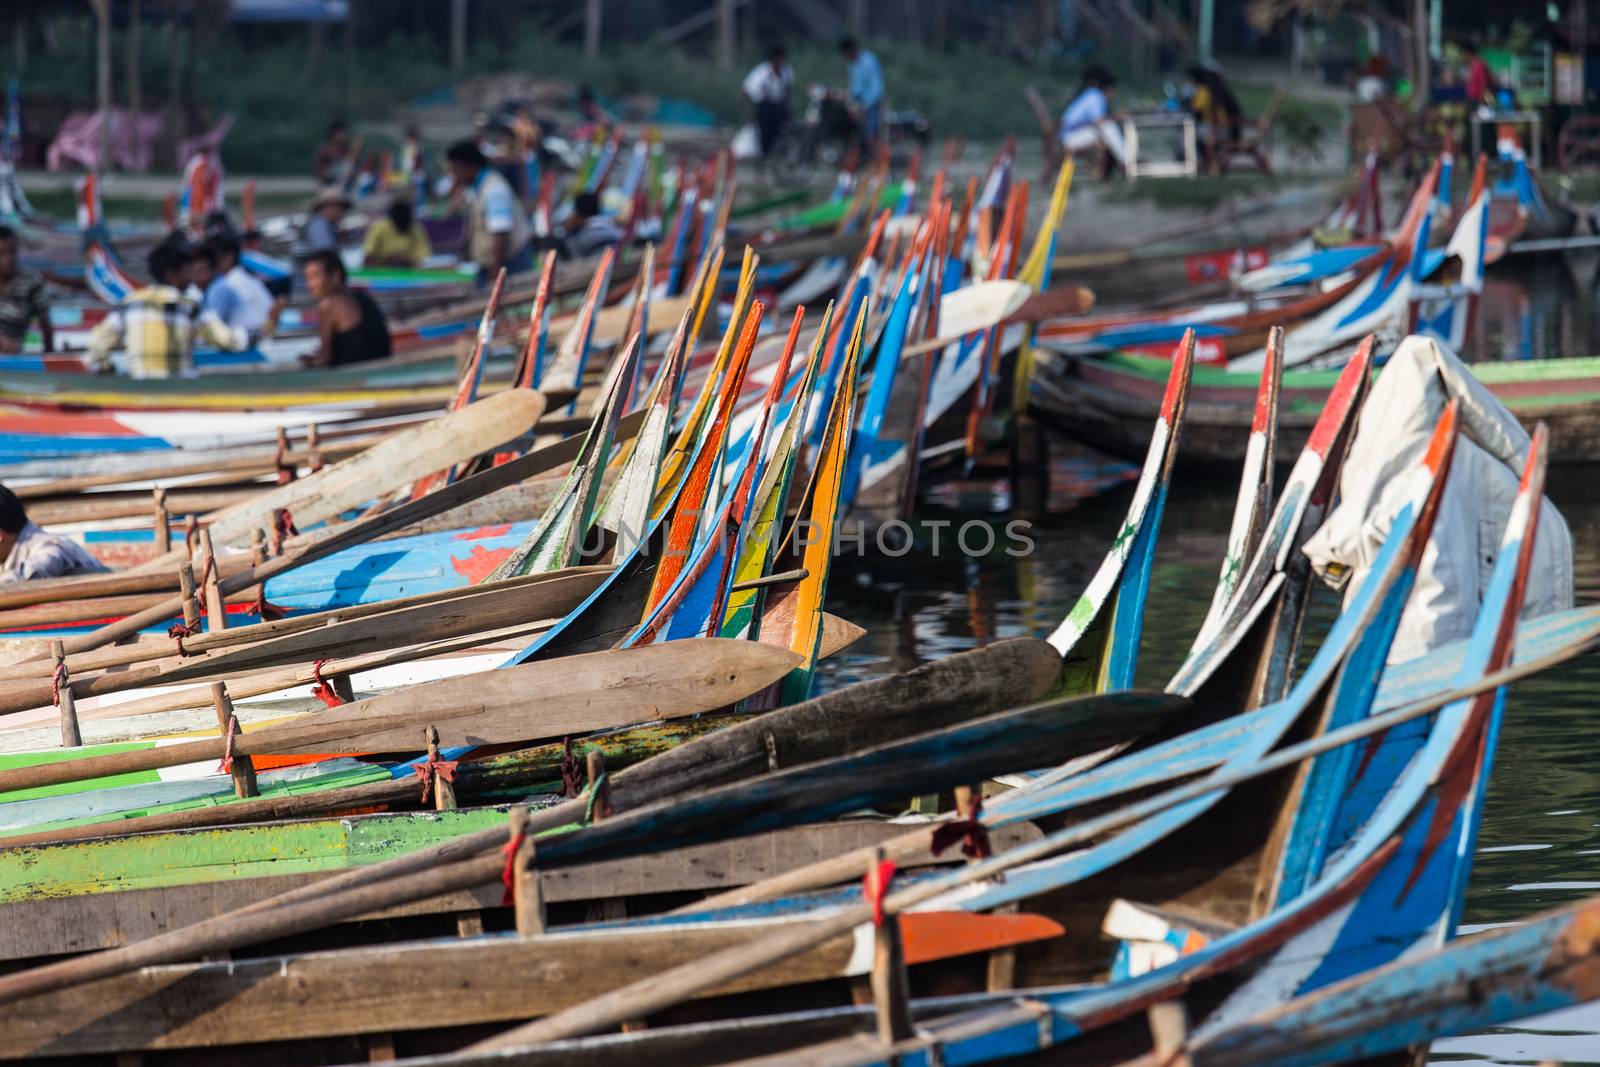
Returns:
<point x="283" y="92"/>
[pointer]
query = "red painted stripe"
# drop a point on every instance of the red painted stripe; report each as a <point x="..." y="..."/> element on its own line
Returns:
<point x="1342" y="401"/>
<point x="1178" y="380"/>
<point x="1271" y="379"/>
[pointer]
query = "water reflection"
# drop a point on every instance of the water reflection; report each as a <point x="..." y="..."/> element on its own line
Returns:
<point x="1540" y="838"/>
<point x="1538" y="307"/>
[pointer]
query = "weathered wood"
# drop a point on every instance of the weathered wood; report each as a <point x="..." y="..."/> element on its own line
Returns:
<point x="444" y="794"/>
<point x="107" y="913"/>
<point x="376" y="990"/>
<point x="216" y="613"/>
<point x="102" y="507"/>
<point x="347" y="534"/>
<point x="955" y="689"/>
<point x="241" y="769"/>
<point x="577" y="694"/>
<point x="163" y="521"/>
<point x="527" y="896"/>
<point x="189" y="605"/>
<point x="70" y="735"/>
<point x="891" y="989"/>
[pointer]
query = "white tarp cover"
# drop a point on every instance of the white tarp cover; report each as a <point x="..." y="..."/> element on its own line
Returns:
<point x="1383" y="471"/>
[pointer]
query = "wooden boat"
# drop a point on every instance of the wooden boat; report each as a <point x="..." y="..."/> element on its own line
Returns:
<point x="1106" y="402"/>
<point x="1389" y="849"/>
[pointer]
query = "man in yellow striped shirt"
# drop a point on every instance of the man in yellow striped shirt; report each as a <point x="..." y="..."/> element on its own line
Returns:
<point x="158" y="326"/>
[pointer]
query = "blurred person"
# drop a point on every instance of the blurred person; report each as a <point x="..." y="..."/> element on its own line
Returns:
<point x="328" y="161"/>
<point x="1478" y="79"/>
<point x="30" y="552"/>
<point x="321" y="231"/>
<point x="397" y="239"/>
<point x="350" y="324"/>
<point x="589" y="230"/>
<point x="867" y="91"/>
<point x="158" y="325"/>
<point x="232" y="293"/>
<point x="22" y="298"/>
<point x="498" y="231"/>
<point x="1216" y="111"/>
<point x="767" y="88"/>
<point x="1088" y="122"/>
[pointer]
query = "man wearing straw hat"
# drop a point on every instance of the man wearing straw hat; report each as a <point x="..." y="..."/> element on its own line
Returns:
<point x="321" y="233"/>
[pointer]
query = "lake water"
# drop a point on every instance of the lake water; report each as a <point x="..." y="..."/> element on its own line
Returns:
<point x="1539" y="847"/>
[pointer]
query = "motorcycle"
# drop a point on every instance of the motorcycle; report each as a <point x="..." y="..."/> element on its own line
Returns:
<point x="828" y="129"/>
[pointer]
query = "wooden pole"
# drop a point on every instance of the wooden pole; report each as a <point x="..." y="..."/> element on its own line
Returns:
<point x="70" y="736"/>
<point x="527" y="892"/>
<point x="458" y="35"/>
<point x="163" y="521"/>
<point x="891" y="990"/>
<point x="191" y="608"/>
<point x="135" y="87"/>
<point x="242" y="770"/>
<point x="599" y="785"/>
<point x="102" y="16"/>
<point x="725" y="34"/>
<point x="444" y="794"/>
<point x="591" y="28"/>
<point x="216" y="610"/>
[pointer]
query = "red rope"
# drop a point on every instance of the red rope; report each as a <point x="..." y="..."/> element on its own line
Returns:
<point x="323" y="689"/>
<point x="508" y="874"/>
<point x="226" y="766"/>
<point x="875" y="886"/>
<point x="58" y="678"/>
<point x="285" y="523"/>
<point x="286" y="471"/>
<point x="178" y="631"/>
<point x="970" y="831"/>
<point x="444" y="768"/>
<point x="207" y="571"/>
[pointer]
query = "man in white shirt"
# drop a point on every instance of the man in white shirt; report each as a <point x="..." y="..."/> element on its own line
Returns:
<point x="767" y="88"/>
<point x="238" y="297"/>
<point x="498" y="232"/>
<point x="1087" y="123"/>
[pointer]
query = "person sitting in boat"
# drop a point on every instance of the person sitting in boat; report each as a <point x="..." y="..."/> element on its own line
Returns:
<point x="397" y="239"/>
<point x="589" y="230"/>
<point x="158" y="325"/>
<point x="1088" y="122"/>
<point x="32" y="553"/>
<point x="351" y="324"/>
<point x="498" y="231"/>
<point x="1216" y="111"/>
<point x="321" y="231"/>
<point x="232" y="293"/>
<point x="22" y="298"/>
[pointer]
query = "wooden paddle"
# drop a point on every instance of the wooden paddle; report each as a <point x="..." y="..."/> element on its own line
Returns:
<point x="354" y="533"/>
<point x="481" y="609"/>
<point x="553" y="698"/>
<point x="954" y="689"/>
<point x="386" y="466"/>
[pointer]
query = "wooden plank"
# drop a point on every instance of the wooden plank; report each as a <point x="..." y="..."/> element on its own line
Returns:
<point x="491" y="979"/>
<point x="576" y="694"/>
<point x="955" y="689"/>
<point x="102" y="914"/>
<point x="347" y="534"/>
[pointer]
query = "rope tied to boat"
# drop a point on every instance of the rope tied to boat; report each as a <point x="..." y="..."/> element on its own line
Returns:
<point x="267" y="611"/>
<point x="286" y="470"/>
<point x="58" y="678"/>
<point x="178" y="631"/>
<point x="226" y="766"/>
<point x="322" y="689"/>
<point x="207" y="572"/>
<point x="875" y="886"/>
<point x="508" y="873"/>
<point x="599" y="799"/>
<point x="969" y="830"/>
<point x="444" y="768"/>
<point x="283" y="527"/>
